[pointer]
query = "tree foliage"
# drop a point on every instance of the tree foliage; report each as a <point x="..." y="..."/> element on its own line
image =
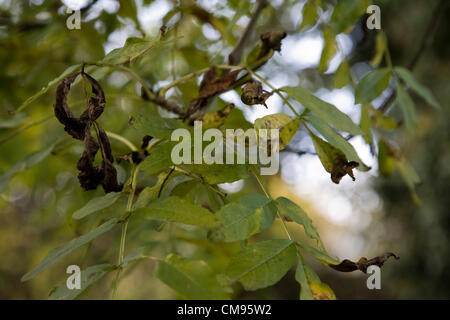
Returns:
<point x="181" y="76"/>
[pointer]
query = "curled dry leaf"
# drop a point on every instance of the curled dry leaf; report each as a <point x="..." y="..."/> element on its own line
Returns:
<point x="349" y="266"/>
<point x="253" y="93"/>
<point x="90" y="175"/>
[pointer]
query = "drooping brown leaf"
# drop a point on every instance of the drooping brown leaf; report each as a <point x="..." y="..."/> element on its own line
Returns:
<point x="90" y="175"/>
<point x="271" y="41"/>
<point x="349" y="266"/>
<point x="253" y="93"/>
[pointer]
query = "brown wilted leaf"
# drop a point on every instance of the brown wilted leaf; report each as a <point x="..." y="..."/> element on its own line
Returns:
<point x="333" y="159"/>
<point x="90" y="175"/>
<point x="253" y="93"/>
<point x="349" y="266"/>
<point x="211" y="86"/>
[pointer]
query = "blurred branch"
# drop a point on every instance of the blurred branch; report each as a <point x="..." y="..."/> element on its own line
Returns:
<point x="236" y="54"/>
<point x="426" y="41"/>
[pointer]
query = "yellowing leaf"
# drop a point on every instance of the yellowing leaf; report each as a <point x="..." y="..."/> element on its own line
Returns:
<point x="380" y="48"/>
<point x="216" y="118"/>
<point x="328" y="51"/>
<point x="310" y="14"/>
<point x="281" y="121"/>
<point x="342" y="76"/>
<point x="333" y="160"/>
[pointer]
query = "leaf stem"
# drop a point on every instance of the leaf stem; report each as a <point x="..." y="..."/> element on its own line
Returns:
<point x="258" y="178"/>
<point x="124" y="231"/>
<point x="122" y="139"/>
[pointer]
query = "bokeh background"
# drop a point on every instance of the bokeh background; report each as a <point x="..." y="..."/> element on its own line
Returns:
<point x="363" y="218"/>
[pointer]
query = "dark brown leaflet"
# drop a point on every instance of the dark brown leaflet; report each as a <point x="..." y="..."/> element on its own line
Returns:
<point x="349" y="266"/>
<point x="90" y="175"/>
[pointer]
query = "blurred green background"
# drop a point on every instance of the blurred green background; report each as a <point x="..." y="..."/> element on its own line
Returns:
<point x="363" y="218"/>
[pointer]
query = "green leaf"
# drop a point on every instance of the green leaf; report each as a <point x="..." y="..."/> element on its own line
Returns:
<point x="25" y="163"/>
<point x="300" y="276"/>
<point x="346" y="13"/>
<point x="140" y="254"/>
<point x="88" y="277"/>
<point x="366" y="123"/>
<point x="176" y="209"/>
<point x="281" y="121"/>
<point x="380" y="48"/>
<point x="328" y="51"/>
<point x="386" y="158"/>
<point x="333" y="160"/>
<point x="96" y="204"/>
<point x="372" y="85"/>
<point x="148" y="194"/>
<point x="406" y="104"/>
<point x="323" y="110"/>
<point x="133" y="48"/>
<point x="421" y="90"/>
<point x="191" y="279"/>
<point x="215" y="119"/>
<point x="311" y="286"/>
<point x="342" y="76"/>
<point x="381" y="120"/>
<point x="320" y="255"/>
<point x="158" y="127"/>
<point x="219" y="173"/>
<point x="310" y="14"/>
<point x="159" y="159"/>
<point x="262" y="264"/>
<point x="247" y="216"/>
<point x="297" y="214"/>
<point x="44" y="89"/>
<point x="64" y="250"/>
<point x="336" y="140"/>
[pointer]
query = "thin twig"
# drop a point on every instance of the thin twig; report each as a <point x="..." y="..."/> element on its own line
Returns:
<point x="236" y="54"/>
<point x="426" y="41"/>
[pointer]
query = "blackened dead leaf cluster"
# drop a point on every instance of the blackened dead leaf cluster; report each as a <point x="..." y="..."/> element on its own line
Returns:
<point x="90" y="175"/>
